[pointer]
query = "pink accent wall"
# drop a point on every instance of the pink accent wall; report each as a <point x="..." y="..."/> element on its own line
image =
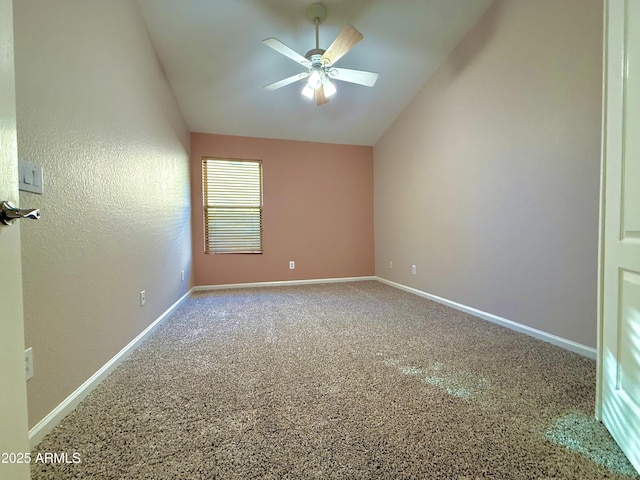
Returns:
<point x="318" y="211"/>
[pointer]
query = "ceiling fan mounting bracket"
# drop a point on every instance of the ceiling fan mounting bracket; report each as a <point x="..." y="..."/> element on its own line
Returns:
<point x="316" y="11"/>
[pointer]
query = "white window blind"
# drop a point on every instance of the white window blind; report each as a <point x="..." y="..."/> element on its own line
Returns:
<point x="232" y="205"/>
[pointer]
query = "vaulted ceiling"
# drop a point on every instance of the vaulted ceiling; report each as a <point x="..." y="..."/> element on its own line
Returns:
<point x="215" y="61"/>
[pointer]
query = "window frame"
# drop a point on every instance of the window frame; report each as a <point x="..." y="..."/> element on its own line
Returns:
<point x="255" y="248"/>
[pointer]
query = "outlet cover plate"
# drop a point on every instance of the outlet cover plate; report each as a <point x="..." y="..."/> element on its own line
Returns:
<point x="28" y="362"/>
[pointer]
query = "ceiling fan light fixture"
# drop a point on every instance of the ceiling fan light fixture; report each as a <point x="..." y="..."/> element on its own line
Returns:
<point x="308" y="92"/>
<point x="315" y="78"/>
<point x="329" y="87"/>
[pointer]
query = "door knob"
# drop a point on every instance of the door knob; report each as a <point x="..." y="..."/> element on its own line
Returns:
<point x="9" y="213"/>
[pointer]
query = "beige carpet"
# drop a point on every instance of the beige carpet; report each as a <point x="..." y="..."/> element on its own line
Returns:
<point x="356" y="381"/>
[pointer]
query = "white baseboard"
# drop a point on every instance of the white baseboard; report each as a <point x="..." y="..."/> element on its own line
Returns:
<point x="518" y="327"/>
<point x="44" y="426"/>
<point x="201" y="288"/>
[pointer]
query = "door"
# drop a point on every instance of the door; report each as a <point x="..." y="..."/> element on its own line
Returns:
<point x="13" y="399"/>
<point x="619" y="346"/>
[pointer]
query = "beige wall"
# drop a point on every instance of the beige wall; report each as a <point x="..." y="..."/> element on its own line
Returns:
<point x="318" y="211"/>
<point x="488" y="181"/>
<point x="95" y="110"/>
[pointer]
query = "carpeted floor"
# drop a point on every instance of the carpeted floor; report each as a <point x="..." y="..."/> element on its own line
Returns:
<point x="354" y="380"/>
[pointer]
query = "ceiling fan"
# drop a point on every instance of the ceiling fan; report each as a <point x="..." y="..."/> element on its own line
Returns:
<point x="319" y="64"/>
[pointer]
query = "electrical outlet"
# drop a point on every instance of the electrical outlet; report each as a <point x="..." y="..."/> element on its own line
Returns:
<point x="292" y="265"/>
<point x="182" y="275"/>
<point x="414" y="270"/>
<point x="28" y="362"/>
<point x="143" y="297"/>
<point x="390" y="264"/>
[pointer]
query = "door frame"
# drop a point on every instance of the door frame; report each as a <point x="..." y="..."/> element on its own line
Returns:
<point x="14" y="441"/>
<point x="601" y="217"/>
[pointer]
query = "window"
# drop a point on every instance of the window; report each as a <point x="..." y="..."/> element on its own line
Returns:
<point x="232" y="195"/>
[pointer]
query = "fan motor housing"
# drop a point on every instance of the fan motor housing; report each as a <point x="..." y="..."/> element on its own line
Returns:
<point x="315" y="52"/>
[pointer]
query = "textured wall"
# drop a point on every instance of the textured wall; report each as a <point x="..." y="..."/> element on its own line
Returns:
<point x="95" y="110"/>
<point x="318" y="211"/>
<point x="489" y="180"/>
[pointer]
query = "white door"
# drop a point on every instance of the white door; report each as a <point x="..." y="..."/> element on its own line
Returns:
<point x="620" y="282"/>
<point x="13" y="397"/>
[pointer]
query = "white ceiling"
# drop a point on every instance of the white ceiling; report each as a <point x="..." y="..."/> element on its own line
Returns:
<point x="216" y="63"/>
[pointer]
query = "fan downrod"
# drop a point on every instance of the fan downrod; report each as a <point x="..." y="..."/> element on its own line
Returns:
<point x="316" y="13"/>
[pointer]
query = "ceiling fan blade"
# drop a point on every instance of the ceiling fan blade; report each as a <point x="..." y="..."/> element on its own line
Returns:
<point x="368" y="79"/>
<point x="321" y="98"/>
<point x="280" y="47"/>
<point x="286" y="81"/>
<point x="344" y="42"/>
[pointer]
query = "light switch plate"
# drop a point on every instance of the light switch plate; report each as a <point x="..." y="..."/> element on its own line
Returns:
<point x="31" y="177"/>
